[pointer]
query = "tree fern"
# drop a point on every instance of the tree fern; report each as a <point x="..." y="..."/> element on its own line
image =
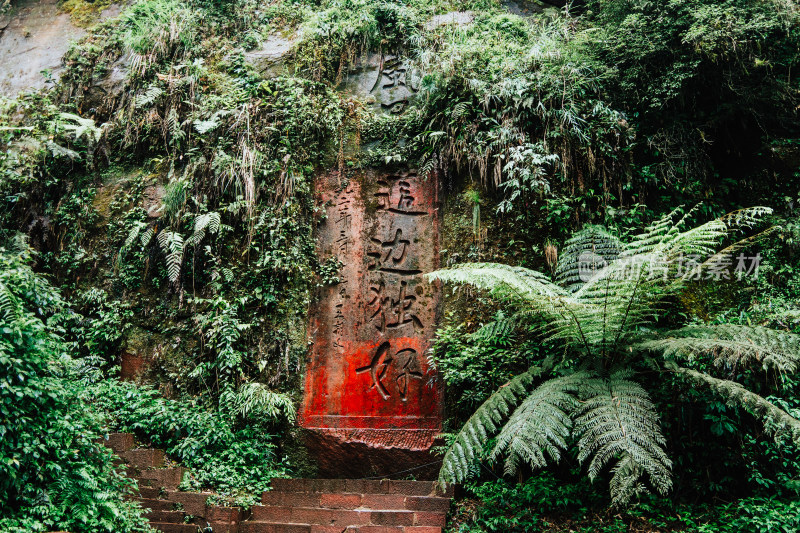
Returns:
<point x="776" y="421"/>
<point x="617" y="421"/>
<point x="487" y="420"/>
<point x="526" y="287"/>
<point x="593" y="242"/>
<point x="598" y="322"/>
<point x="732" y="345"/>
<point x="539" y="427"/>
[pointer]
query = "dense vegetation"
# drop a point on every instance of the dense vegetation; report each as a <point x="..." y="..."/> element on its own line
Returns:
<point x="170" y="212"/>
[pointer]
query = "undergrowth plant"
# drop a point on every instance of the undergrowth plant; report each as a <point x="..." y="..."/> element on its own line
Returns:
<point x="54" y="475"/>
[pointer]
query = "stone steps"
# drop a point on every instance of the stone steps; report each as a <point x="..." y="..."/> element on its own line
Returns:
<point x="168" y="509"/>
<point x="363" y="486"/>
<point x="174" y="528"/>
<point x="343" y="500"/>
<point x="277" y="527"/>
<point x="350" y="505"/>
<point x="292" y="506"/>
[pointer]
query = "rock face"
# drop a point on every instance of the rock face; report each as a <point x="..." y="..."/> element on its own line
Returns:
<point x="34" y="35"/>
<point x="457" y="18"/>
<point x="372" y="402"/>
<point x="384" y="81"/>
<point x="269" y="58"/>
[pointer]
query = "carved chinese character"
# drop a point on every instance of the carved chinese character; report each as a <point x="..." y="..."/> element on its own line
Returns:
<point x="394" y="249"/>
<point x="401" y="190"/>
<point x="394" y="74"/>
<point x="380" y="304"/>
<point x="392" y="313"/>
<point x="343" y="223"/>
<point x="377" y="369"/>
<point x="406" y="200"/>
<point x="402" y="308"/>
<point x="409" y="369"/>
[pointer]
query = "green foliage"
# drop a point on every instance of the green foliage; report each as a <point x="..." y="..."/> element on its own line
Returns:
<point x="229" y="449"/>
<point x="52" y="473"/>
<point x="477" y="363"/>
<point x="610" y="112"/>
<point x="600" y="326"/>
<point x="548" y="503"/>
<point x="518" y="507"/>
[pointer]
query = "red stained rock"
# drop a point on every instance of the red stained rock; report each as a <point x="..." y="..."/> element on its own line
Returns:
<point x="132" y="366"/>
<point x="373" y="404"/>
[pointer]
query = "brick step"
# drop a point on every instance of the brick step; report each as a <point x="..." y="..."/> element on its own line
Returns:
<point x="328" y="500"/>
<point x="119" y="442"/>
<point x="156" y="505"/>
<point x="166" y="517"/>
<point x="166" y="527"/>
<point x="275" y="527"/>
<point x="194" y="503"/>
<point x="143" y="458"/>
<point x="153" y="493"/>
<point x="346" y="517"/>
<point x="362" y="486"/>
<point x="168" y="478"/>
<point x="279" y="527"/>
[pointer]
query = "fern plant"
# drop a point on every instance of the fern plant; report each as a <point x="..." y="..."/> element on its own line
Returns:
<point x="172" y="243"/>
<point x="601" y="311"/>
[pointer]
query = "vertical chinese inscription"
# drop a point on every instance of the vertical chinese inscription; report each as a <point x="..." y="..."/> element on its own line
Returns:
<point x="372" y="330"/>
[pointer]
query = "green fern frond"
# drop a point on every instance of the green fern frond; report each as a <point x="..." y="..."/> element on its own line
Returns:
<point x="502" y="326"/>
<point x="732" y="345"/>
<point x="146" y="236"/>
<point x="539" y="427"/>
<point x="9" y="303"/>
<point x="204" y="223"/>
<point x="746" y="218"/>
<point x="133" y="234"/>
<point x="428" y="166"/>
<point x="172" y="245"/>
<point x="776" y="421"/>
<point x="469" y="443"/>
<point x="81" y="127"/>
<point x="152" y="94"/>
<point x="592" y="242"/>
<point x="501" y="280"/>
<point x="60" y="151"/>
<point x="617" y="421"/>
<point x="541" y="297"/>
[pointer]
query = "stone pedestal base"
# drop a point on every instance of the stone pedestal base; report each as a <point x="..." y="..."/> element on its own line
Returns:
<point x="388" y="453"/>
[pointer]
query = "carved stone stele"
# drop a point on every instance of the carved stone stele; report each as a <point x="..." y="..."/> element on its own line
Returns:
<point x="372" y="401"/>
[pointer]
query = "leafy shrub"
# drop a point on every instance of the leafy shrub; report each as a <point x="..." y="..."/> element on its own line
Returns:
<point x="233" y="459"/>
<point x="53" y="473"/>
